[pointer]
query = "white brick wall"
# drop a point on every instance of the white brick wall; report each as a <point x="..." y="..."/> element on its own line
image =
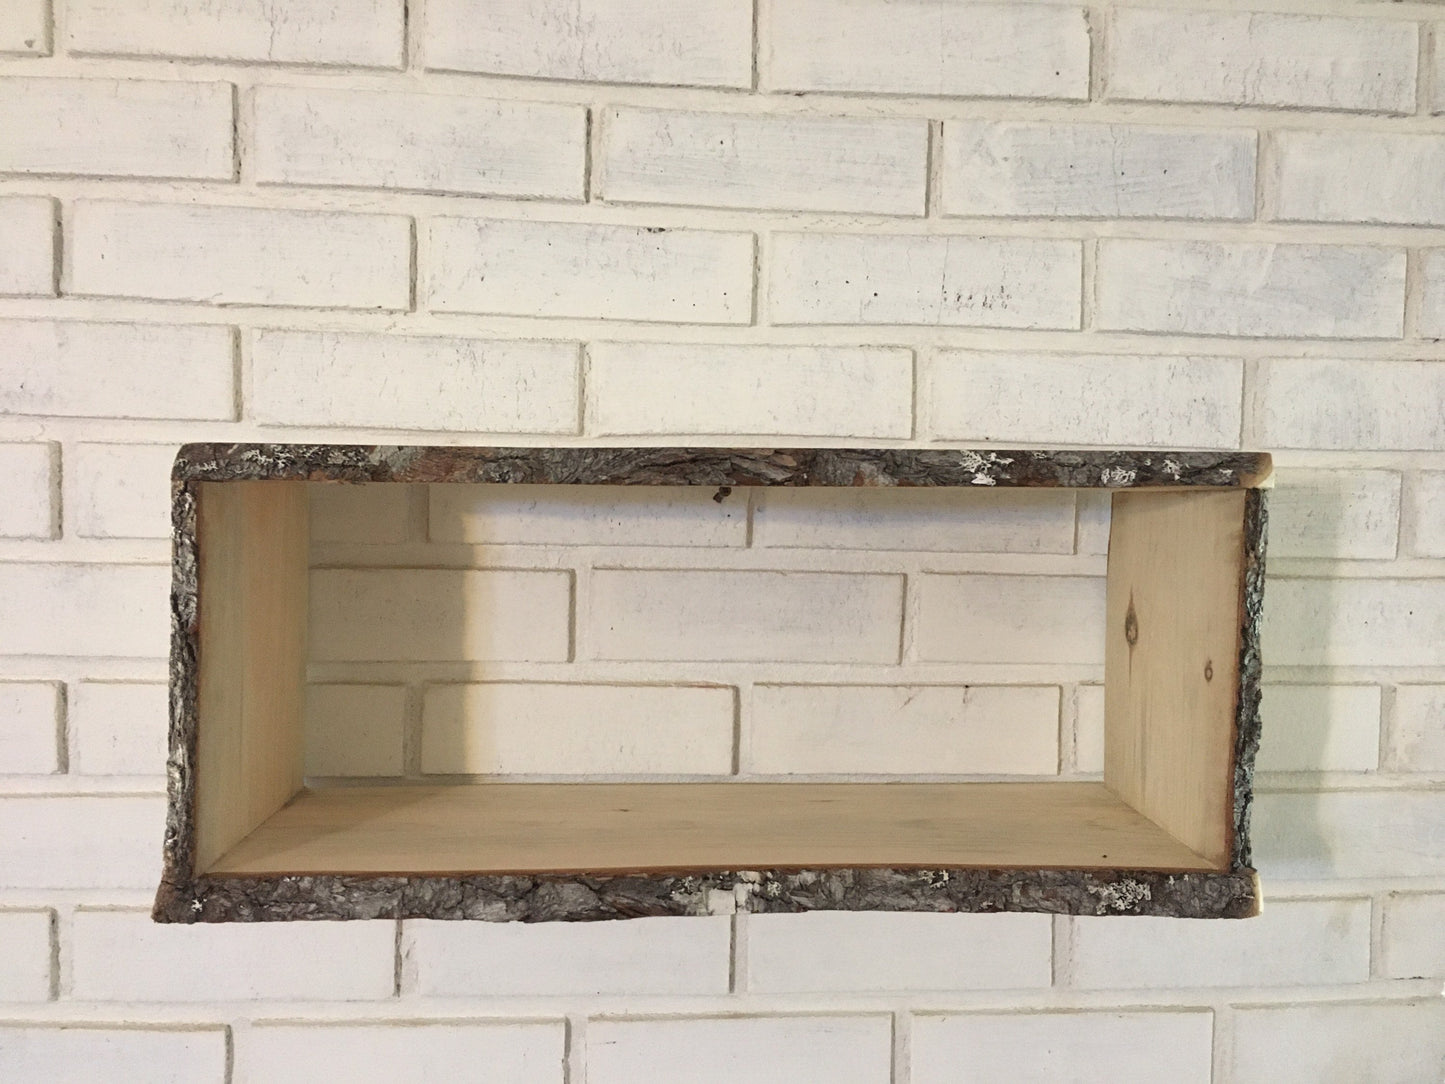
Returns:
<point x="27" y="247"/>
<point x="1311" y="1043"/>
<point x="118" y="728"/>
<point x="30" y="717"/>
<point x="25" y="27"/>
<point x="1360" y="177"/>
<point x="1413" y="947"/>
<point x="25" y="954"/>
<point x="129" y="1055"/>
<point x="30" y="509"/>
<point x="119" y="490"/>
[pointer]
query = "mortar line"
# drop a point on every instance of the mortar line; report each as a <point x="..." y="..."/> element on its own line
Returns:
<point x="758" y="31"/>
<point x="738" y="975"/>
<point x="1088" y="284"/>
<point x="1097" y="20"/>
<point x="64" y="733"/>
<point x="1414" y="293"/>
<point x="933" y="170"/>
<point x="584" y="386"/>
<point x="589" y="155"/>
<point x="1424" y="69"/>
<point x="902" y="1042"/>
<point x="574" y="1055"/>
<point x="1377" y="937"/>
<point x="1222" y="1046"/>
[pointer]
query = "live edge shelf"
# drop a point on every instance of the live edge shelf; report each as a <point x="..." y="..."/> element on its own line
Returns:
<point x="1164" y="833"/>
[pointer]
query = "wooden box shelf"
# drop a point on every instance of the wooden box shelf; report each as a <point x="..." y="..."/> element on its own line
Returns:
<point x="1164" y="833"/>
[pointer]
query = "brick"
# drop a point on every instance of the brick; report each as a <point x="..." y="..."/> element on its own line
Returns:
<point x="586" y="515"/>
<point x="569" y="269"/>
<point x="1334" y="513"/>
<point x="120" y="490"/>
<point x="124" y="956"/>
<point x="1239" y="58"/>
<point x="1291" y="943"/>
<point x="682" y="956"/>
<point x="81" y="842"/>
<point x="902" y="729"/>
<point x="1320" y="728"/>
<point x="1359" y="177"/>
<point x="364" y="33"/>
<point x="367" y="514"/>
<point x="1010" y="619"/>
<point x="835" y="951"/>
<point x="1412" y="945"/>
<point x="523" y="1052"/>
<point x="131" y="1055"/>
<point x="745" y="616"/>
<point x="25" y="27"/>
<point x="1089" y="729"/>
<point x="942" y="520"/>
<point x="27" y="246"/>
<point x="404" y="382"/>
<point x="1432" y="309"/>
<point x="1085" y="399"/>
<point x="425" y="142"/>
<point x="1260" y="290"/>
<point x="118" y="611"/>
<point x="29" y="508"/>
<point x="838" y="1049"/>
<point x="1425" y="514"/>
<point x="778" y="162"/>
<point x="936" y="48"/>
<point x="1419" y="725"/>
<point x="240" y="255"/>
<point x="354" y="730"/>
<point x="962" y="281"/>
<point x="1081" y="1047"/>
<point x="1096" y="171"/>
<point x="577" y="729"/>
<point x="435" y="614"/>
<point x="1395" y="1042"/>
<point x="84" y="370"/>
<point x="1349" y="834"/>
<point x="30" y="728"/>
<point x="693" y="42"/>
<point x="1305" y="403"/>
<point x="25" y="970"/>
<point x="118" y="128"/>
<point x="636" y="388"/>
<point x="1355" y="622"/>
<point x="119" y="728"/>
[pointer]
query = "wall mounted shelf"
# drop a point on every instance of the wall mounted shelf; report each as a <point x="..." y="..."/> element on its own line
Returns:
<point x="1164" y="833"/>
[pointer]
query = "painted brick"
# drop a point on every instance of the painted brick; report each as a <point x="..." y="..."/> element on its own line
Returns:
<point x="27" y="482"/>
<point x="1334" y="513"/>
<point x="365" y="33"/>
<point x="1412" y="945"/>
<point x="120" y="611"/>
<point x="966" y="281"/>
<point x="427" y="142"/>
<point x="901" y="729"/>
<point x="1438" y="105"/>
<point x="1095" y="512"/>
<point x="1355" y="622"/>
<point x="577" y="729"/>
<point x="1096" y="171"/>
<point x="30" y="720"/>
<point x="1304" y="403"/>
<point x="118" y="128"/>
<point x="636" y="388"/>
<point x="1425" y="514"/>
<point x="117" y="370"/>
<point x="1262" y="290"/>
<point x="566" y="269"/>
<point x="27" y="246"/>
<point x="836" y="951"/>
<point x="1310" y="1043"/>
<point x="82" y="842"/>
<point x="421" y="614"/>
<point x="512" y="1053"/>
<point x="1240" y="58"/>
<point x="1432" y="310"/>
<point x="25" y="27"/>
<point x="778" y="162"/>
<point x="1291" y="943"/>
<point x="124" y="956"/>
<point x="367" y="514"/>
<point x="838" y="1049"/>
<point x="1359" y="177"/>
<point x="513" y="959"/>
<point x="354" y="729"/>
<point x="745" y="616"/>
<point x="395" y="382"/>
<point x="1085" y="399"/>
<point x="1340" y="834"/>
<point x="240" y="255"/>
<point x="120" y="490"/>
<point x="25" y="971"/>
<point x="133" y="1055"/>
<point x="946" y="520"/>
<point x="693" y="42"/>
<point x="932" y="47"/>
<point x="1081" y="1047"/>
<point x="1089" y="729"/>
<point x="119" y="728"/>
<point x="1419" y="724"/>
<point x="587" y="515"/>
<point x="1320" y="728"/>
<point x="1010" y="619"/>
